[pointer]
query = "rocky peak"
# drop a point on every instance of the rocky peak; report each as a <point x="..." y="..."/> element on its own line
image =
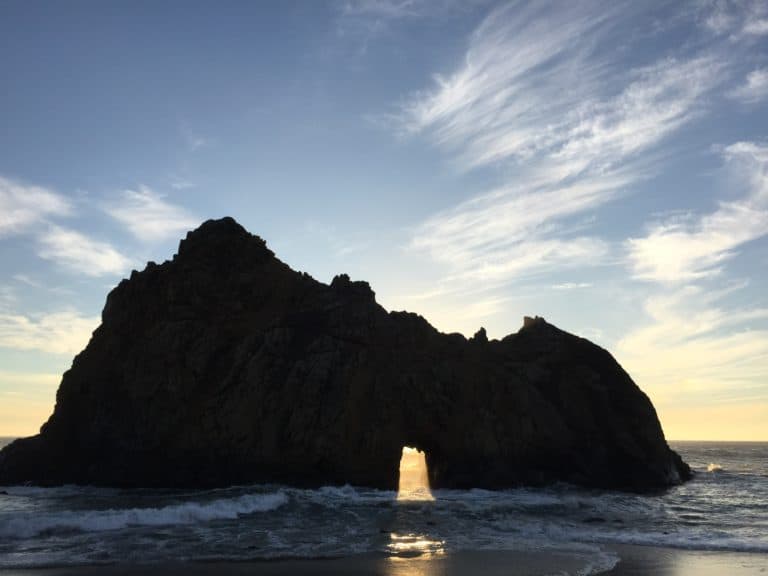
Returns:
<point x="220" y="238"/>
<point x="480" y="336"/>
<point x="531" y="322"/>
<point x="359" y="289"/>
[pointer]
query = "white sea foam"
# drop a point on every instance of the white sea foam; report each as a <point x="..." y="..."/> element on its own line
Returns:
<point x="601" y="562"/>
<point x="114" y="519"/>
<point x="713" y="467"/>
<point x="343" y="496"/>
<point x="64" y="491"/>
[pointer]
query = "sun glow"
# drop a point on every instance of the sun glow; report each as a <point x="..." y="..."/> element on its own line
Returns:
<point x="414" y="480"/>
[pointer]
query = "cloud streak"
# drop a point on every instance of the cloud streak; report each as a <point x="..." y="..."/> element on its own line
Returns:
<point x="65" y="332"/>
<point x="698" y="348"/>
<point x="691" y="248"/>
<point x="739" y="19"/>
<point x="754" y="89"/>
<point x="510" y="232"/>
<point x="698" y="345"/>
<point x="149" y="217"/>
<point x="576" y="127"/>
<point x="532" y="86"/>
<point x="79" y="253"/>
<point x="23" y="206"/>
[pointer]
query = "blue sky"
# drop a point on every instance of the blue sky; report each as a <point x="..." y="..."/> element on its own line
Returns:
<point x="604" y="165"/>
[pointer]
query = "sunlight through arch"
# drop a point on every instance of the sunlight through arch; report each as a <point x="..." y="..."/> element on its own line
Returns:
<point x="414" y="478"/>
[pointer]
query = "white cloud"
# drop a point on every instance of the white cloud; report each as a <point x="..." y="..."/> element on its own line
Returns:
<point x="757" y="27"/>
<point x="64" y="332"/>
<point x="576" y="126"/>
<point x="23" y="206"/>
<point x="178" y="183"/>
<point x="24" y="279"/>
<point x="508" y="233"/>
<point x="193" y="140"/>
<point x="685" y="249"/>
<point x="378" y="12"/>
<point x="149" y="217"/>
<point x="739" y="19"/>
<point x="7" y="296"/>
<point x="381" y="8"/>
<point x="80" y="253"/>
<point x="362" y="21"/>
<point x="531" y="86"/>
<point x="572" y="285"/>
<point x="573" y="123"/>
<point x="698" y="348"/>
<point x="754" y="89"/>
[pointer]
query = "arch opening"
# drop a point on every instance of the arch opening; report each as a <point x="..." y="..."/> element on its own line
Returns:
<point x="414" y="476"/>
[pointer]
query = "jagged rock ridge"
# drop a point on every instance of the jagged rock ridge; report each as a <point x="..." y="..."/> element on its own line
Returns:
<point x="225" y="366"/>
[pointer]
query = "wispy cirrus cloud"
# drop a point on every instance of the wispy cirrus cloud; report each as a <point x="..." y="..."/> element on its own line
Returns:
<point x="362" y="21"/>
<point x="533" y="86"/>
<point x="754" y="89"/>
<point x="382" y="8"/>
<point x="689" y="248"/>
<point x="148" y="216"/>
<point x="738" y="19"/>
<point x="80" y="253"/>
<point x="193" y="140"/>
<point x="23" y="206"/>
<point x="700" y="344"/>
<point x="513" y="232"/>
<point x="574" y="124"/>
<point x="32" y="210"/>
<point x="65" y="332"/>
<point x="572" y="285"/>
<point x="699" y="347"/>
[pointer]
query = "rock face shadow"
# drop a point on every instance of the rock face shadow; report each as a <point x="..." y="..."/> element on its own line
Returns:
<point x="224" y="365"/>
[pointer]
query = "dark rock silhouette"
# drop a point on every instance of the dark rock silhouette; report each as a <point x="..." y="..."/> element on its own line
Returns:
<point x="225" y="366"/>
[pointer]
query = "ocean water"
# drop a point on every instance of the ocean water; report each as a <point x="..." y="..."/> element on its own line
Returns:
<point x="725" y="507"/>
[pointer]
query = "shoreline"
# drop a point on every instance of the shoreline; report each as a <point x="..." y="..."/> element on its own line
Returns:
<point x="627" y="560"/>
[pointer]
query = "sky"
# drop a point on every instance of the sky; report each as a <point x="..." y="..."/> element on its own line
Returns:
<point x="603" y="165"/>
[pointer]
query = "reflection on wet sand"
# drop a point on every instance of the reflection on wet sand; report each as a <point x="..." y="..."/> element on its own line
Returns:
<point x="413" y="545"/>
<point x="414" y="555"/>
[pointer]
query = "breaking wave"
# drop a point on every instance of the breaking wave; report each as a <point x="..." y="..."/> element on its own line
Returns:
<point x="115" y="519"/>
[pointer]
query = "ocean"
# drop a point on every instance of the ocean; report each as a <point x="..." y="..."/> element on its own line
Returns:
<point x="724" y="508"/>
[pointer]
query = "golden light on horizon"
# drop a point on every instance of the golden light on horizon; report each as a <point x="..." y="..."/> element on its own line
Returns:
<point x="414" y="479"/>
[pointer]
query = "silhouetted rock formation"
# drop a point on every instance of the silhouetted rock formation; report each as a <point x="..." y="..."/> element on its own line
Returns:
<point x="225" y="366"/>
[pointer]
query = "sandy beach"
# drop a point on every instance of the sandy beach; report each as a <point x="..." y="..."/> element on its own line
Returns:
<point x="633" y="561"/>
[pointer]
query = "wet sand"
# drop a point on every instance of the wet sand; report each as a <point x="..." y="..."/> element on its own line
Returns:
<point x="633" y="561"/>
<point x="644" y="560"/>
